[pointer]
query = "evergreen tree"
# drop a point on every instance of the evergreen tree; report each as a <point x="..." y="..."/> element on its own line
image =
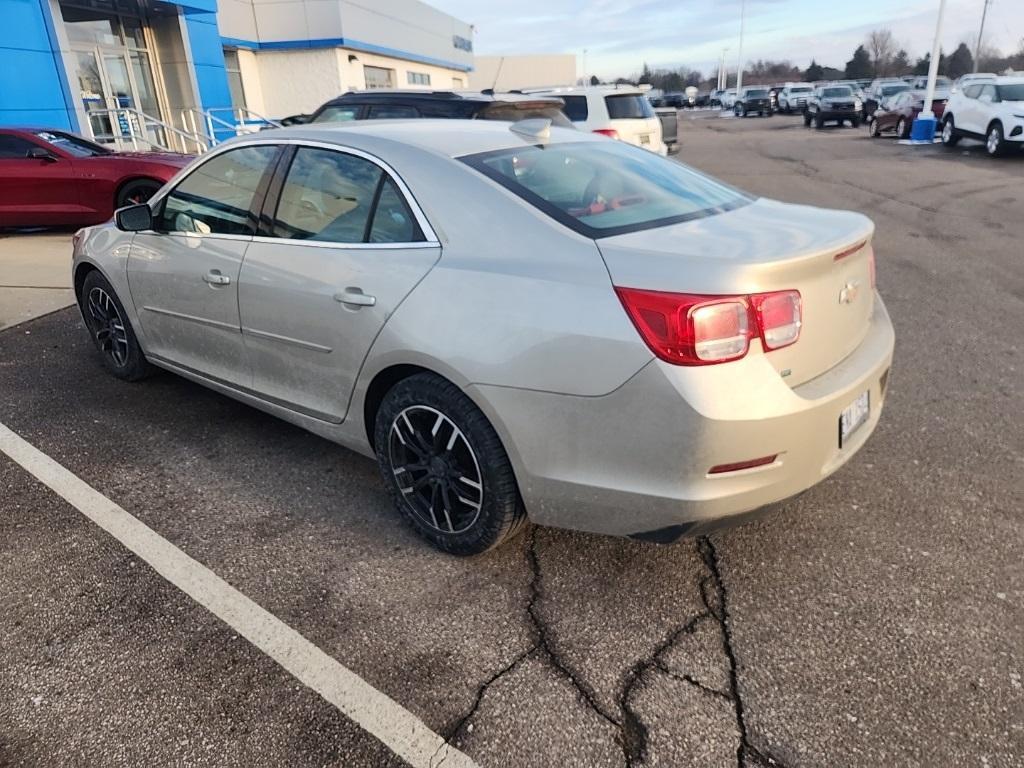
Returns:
<point x="814" y="72"/>
<point x="860" y="65"/>
<point x="960" y="62"/>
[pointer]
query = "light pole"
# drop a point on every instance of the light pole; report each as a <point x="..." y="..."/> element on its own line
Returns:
<point x="923" y="128"/>
<point x="739" y="68"/>
<point x="981" y="32"/>
<point x="723" y="76"/>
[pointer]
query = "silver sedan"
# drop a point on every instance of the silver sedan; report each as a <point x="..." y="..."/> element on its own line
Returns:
<point x="518" y="321"/>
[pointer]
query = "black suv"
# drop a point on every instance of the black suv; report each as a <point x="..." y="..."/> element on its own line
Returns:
<point x="833" y="103"/>
<point x="383" y="104"/>
<point x="753" y="100"/>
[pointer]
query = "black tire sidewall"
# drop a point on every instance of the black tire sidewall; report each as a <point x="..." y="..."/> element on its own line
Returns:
<point x="502" y="510"/>
<point x="120" y="201"/>
<point x="136" y="367"/>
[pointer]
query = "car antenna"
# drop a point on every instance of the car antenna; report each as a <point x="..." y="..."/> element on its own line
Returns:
<point x="536" y="128"/>
<point x="497" y="73"/>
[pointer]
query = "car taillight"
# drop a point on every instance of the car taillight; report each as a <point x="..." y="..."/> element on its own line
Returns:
<point x="609" y="132"/>
<point x="689" y="329"/>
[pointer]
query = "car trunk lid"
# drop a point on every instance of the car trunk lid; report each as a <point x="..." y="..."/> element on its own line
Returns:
<point x="762" y="247"/>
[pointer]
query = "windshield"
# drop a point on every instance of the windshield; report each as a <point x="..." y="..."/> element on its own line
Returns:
<point x="889" y="90"/>
<point x="799" y="90"/>
<point x="73" y="145"/>
<point x="628" y="107"/>
<point x="606" y="188"/>
<point x="1011" y="92"/>
<point x="514" y="112"/>
<point x="837" y="93"/>
<point x="757" y="93"/>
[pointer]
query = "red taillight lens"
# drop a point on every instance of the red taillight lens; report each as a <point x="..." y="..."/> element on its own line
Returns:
<point x="764" y="461"/>
<point x="609" y="132"/>
<point x="688" y="329"/>
<point x="779" y="317"/>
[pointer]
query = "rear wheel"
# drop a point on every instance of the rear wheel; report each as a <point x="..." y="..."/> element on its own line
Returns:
<point x="807" y="119"/>
<point x="902" y="128"/>
<point x="873" y="130"/>
<point x="950" y="135"/>
<point x="818" y="122"/>
<point x="135" y="192"/>
<point x="855" y="123"/>
<point x="110" y="330"/>
<point x="445" y="467"/>
<point x="739" y="110"/>
<point x="994" y="143"/>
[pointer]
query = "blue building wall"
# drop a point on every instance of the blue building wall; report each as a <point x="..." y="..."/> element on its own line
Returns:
<point x="34" y="90"/>
<point x="207" y="57"/>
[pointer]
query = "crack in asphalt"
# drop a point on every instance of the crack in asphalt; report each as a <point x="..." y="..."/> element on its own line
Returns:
<point x="745" y="750"/>
<point x="687" y="678"/>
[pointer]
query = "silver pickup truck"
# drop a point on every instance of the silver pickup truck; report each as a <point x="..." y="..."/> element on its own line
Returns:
<point x="669" y="127"/>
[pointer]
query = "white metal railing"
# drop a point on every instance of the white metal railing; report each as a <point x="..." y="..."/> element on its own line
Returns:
<point x="131" y="128"/>
<point x="238" y="121"/>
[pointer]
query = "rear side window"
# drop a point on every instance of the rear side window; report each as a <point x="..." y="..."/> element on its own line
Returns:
<point x="337" y="115"/>
<point x="335" y="197"/>
<point x="576" y="108"/>
<point x="628" y="107"/>
<point x="392" y="112"/>
<point x="217" y="197"/>
<point x="972" y="91"/>
<point x="513" y="112"/>
<point x="606" y="188"/>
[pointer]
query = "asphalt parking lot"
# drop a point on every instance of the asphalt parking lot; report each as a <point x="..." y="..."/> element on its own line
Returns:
<point x="875" y="620"/>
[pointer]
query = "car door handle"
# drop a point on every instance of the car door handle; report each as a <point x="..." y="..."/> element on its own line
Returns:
<point x="355" y="297"/>
<point x="214" y="277"/>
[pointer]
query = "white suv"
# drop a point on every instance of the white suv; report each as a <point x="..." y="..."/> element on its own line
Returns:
<point x="991" y="111"/>
<point x="793" y="97"/>
<point x="621" y="112"/>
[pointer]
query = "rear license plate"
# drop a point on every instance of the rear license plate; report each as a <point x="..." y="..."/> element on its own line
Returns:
<point x="645" y="138"/>
<point x="853" y="416"/>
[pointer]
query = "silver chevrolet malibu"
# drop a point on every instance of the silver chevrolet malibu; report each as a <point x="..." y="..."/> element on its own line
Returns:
<point x="518" y="321"/>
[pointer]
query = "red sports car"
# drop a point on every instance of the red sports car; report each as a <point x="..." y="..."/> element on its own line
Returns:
<point x="50" y="177"/>
<point x="897" y="113"/>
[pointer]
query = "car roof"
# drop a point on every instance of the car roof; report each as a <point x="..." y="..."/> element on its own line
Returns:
<point x="604" y="90"/>
<point x="1010" y="80"/>
<point x="406" y="94"/>
<point x="449" y="138"/>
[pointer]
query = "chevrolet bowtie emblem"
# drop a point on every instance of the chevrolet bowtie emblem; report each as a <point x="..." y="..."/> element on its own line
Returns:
<point x="849" y="292"/>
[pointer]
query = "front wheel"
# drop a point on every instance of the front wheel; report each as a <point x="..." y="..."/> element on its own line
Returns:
<point x="807" y="119"/>
<point x="873" y="130"/>
<point x="950" y="137"/>
<point x="855" y="123"/>
<point x="445" y="467"/>
<point x="135" y="192"/>
<point x="739" y="111"/>
<point x="818" y="122"/>
<point x="110" y="329"/>
<point x="902" y="129"/>
<point x="994" y="143"/>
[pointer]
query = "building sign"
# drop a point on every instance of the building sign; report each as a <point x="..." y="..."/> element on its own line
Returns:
<point x="462" y="43"/>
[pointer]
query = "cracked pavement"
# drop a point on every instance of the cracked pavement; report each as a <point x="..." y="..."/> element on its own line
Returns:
<point x="875" y="620"/>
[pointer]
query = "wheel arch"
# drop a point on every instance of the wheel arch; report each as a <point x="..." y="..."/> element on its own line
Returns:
<point x="122" y="183"/>
<point x="994" y="122"/>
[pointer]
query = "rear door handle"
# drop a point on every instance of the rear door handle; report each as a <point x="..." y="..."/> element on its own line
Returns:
<point x="355" y="297"/>
<point x="214" y="277"/>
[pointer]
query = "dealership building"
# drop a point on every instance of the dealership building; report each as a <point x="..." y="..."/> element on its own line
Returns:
<point x="175" y="73"/>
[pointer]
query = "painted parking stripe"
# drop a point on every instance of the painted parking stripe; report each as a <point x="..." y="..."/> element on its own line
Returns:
<point x="396" y="727"/>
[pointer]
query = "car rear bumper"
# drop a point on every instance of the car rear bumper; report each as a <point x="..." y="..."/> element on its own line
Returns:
<point x="636" y="462"/>
<point x="839" y="114"/>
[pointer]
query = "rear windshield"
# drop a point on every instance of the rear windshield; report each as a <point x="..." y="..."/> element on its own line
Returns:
<point x="514" y="112"/>
<point x="606" y="188"/>
<point x="628" y="107"/>
<point x="836" y="93"/>
<point x="800" y="90"/>
<point x="889" y="90"/>
<point x="1011" y="92"/>
<point x="757" y="93"/>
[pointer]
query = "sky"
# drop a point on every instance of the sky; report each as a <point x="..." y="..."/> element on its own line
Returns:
<point x="620" y="35"/>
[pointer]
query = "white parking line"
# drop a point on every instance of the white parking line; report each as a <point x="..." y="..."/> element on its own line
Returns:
<point x="396" y="727"/>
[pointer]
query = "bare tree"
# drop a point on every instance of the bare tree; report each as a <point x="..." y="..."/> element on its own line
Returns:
<point x="882" y="46"/>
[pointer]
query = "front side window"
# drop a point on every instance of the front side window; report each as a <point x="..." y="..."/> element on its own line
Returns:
<point x="628" y="107"/>
<point x="217" y="197"/>
<point x="337" y="115"/>
<point x="335" y="197"/>
<point x="14" y="147"/>
<point x="990" y="91"/>
<point x="601" y="189"/>
<point x="379" y="77"/>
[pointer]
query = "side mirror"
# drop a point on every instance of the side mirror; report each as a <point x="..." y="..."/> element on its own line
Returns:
<point x="41" y="153"/>
<point x="134" y="218"/>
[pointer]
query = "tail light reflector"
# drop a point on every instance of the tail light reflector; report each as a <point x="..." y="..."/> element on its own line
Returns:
<point x="609" y="132"/>
<point x="689" y="329"/>
<point x="764" y="461"/>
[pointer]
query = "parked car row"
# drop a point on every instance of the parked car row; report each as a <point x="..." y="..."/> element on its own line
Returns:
<point x="990" y="110"/>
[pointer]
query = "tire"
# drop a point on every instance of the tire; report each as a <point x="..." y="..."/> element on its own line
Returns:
<point x="135" y="192"/>
<point x="110" y="330"/>
<point x="901" y="129"/>
<point x="818" y="122"/>
<point x="873" y="130"/>
<point x="995" y="145"/>
<point x="419" y="417"/>
<point x="807" y="119"/>
<point x="855" y="123"/>
<point x="739" y="111"/>
<point x="950" y="135"/>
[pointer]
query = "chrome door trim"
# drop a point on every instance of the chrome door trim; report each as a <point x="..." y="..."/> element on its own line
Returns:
<point x="417" y="212"/>
<point x="193" y="318"/>
<point x="344" y="246"/>
<point x="287" y="340"/>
